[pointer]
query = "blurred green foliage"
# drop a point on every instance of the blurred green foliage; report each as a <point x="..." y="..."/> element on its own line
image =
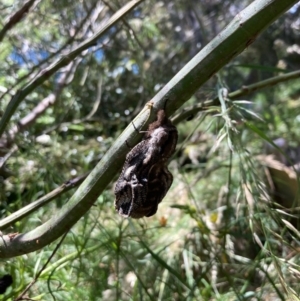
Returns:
<point x="218" y="234"/>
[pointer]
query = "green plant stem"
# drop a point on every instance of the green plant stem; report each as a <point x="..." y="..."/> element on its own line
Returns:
<point x="245" y="90"/>
<point x="238" y="35"/>
<point x="16" y="18"/>
<point x="264" y="83"/>
<point x="18" y="215"/>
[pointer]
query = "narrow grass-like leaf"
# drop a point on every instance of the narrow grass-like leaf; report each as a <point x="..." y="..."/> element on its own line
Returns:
<point x="261" y="67"/>
<point x="250" y="112"/>
<point x="243" y="102"/>
<point x="164" y="264"/>
<point x="291" y="227"/>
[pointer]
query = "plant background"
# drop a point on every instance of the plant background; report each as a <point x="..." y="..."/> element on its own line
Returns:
<point x="218" y="234"/>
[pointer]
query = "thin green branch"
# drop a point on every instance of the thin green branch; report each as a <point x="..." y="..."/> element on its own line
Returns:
<point x="63" y="61"/>
<point x="245" y="90"/>
<point x="26" y="210"/>
<point x="238" y="35"/>
<point x="16" y="18"/>
<point x="131" y="31"/>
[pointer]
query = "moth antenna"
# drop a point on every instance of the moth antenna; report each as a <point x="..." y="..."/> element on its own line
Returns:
<point x="165" y="104"/>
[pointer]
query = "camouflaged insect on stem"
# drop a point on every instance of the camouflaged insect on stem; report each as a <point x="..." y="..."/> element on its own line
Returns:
<point x="145" y="178"/>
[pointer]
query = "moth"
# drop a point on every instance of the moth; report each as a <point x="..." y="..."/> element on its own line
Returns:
<point x="145" y="178"/>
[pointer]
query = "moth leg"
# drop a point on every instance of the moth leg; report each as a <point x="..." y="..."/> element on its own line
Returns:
<point x="148" y="105"/>
<point x="140" y="132"/>
<point x="127" y="144"/>
<point x="138" y="195"/>
<point x="135" y="127"/>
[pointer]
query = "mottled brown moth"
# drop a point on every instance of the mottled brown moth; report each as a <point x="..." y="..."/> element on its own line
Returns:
<point x="145" y="178"/>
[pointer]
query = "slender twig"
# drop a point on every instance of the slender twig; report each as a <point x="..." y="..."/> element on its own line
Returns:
<point x="7" y="155"/>
<point x="64" y="79"/>
<point x="58" y="52"/>
<point x="20" y="297"/>
<point x="63" y="61"/>
<point x="131" y="31"/>
<point x="44" y="104"/>
<point x="245" y="90"/>
<point x="96" y="103"/>
<point x="26" y="210"/>
<point x="16" y="18"/>
<point x="264" y="83"/>
<point x="87" y="117"/>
